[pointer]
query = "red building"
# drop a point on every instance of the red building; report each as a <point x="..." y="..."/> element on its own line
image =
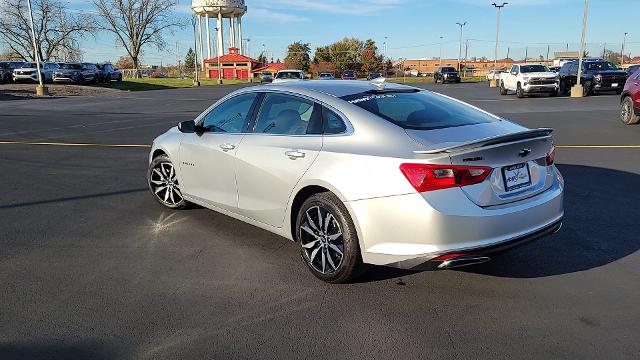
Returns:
<point x="237" y="66"/>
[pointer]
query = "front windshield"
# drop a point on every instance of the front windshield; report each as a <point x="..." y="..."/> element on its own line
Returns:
<point x="533" y="68"/>
<point x="289" y="75"/>
<point x="604" y="65"/>
<point x="71" y="66"/>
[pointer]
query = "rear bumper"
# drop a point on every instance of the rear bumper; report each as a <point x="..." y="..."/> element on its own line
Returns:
<point x="408" y="230"/>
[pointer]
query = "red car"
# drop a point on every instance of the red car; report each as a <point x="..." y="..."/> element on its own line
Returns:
<point x="349" y="75"/>
<point x="630" y="100"/>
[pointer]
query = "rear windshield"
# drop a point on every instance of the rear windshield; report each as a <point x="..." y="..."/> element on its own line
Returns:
<point x="348" y="73"/>
<point x="289" y="75"/>
<point x="4" y="65"/>
<point x="71" y="66"/>
<point x="326" y="75"/>
<point x="29" y="65"/>
<point x="448" y="69"/>
<point x="533" y="68"/>
<point x="422" y="110"/>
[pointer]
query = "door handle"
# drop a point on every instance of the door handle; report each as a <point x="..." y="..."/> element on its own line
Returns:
<point x="227" y="147"/>
<point x="294" y="154"/>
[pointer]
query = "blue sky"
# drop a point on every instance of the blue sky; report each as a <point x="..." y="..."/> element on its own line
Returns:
<point x="413" y="28"/>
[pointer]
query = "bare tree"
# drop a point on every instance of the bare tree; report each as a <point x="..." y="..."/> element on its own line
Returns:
<point x="57" y="29"/>
<point x="138" y="23"/>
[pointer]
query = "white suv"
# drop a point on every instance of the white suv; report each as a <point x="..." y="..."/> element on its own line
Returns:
<point x="29" y="72"/>
<point x="529" y="78"/>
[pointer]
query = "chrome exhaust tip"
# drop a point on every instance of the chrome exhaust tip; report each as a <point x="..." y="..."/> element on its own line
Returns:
<point x="459" y="261"/>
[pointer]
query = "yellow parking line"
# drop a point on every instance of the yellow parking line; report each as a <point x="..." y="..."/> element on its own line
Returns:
<point x="598" y="146"/>
<point x="74" y="144"/>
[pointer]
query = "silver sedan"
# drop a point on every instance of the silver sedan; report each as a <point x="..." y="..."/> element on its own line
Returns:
<point x="363" y="173"/>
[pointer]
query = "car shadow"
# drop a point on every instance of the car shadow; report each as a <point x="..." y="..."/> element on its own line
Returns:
<point x="600" y="227"/>
<point x="57" y="351"/>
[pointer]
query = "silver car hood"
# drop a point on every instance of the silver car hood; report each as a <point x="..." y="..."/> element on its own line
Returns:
<point x="437" y="139"/>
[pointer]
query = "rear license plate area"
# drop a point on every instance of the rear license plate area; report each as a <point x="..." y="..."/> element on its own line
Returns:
<point x="516" y="176"/>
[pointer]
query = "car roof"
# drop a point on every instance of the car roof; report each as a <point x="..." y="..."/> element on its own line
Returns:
<point x="531" y="63"/>
<point x="337" y="88"/>
<point x="290" y="70"/>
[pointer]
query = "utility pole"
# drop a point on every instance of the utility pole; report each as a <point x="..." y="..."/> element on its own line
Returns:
<point x="40" y="89"/>
<point x="178" y="59"/>
<point x="218" y="57"/>
<point x="492" y="83"/>
<point x="604" y="51"/>
<point x="548" y="48"/>
<point x="624" y="40"/>
<point x="462" y="24"/>
<point x="196" y="82"/>
<point x="385" y="57"/>
<point x="440" y="57"/>
<point x="577" y="91"/>
<point x="466" y="51"/>
<point x="526" y="53"/>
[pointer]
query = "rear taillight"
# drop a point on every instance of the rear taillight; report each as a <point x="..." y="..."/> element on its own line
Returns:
<point x="551" y="156"/>
<point x="429" y="177"/>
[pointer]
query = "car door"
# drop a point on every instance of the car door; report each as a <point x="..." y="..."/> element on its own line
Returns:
<point x="513" y="77"/>
<point x="285" y="140"/>
<point x="207" y="157"/>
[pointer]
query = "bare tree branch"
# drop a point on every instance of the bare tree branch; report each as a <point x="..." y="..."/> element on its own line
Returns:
<point x="57" y="29"/>
<point x="138" y="23"/>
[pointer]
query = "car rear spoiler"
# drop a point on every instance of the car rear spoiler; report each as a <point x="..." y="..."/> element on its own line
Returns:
<point x="493" y="140"/>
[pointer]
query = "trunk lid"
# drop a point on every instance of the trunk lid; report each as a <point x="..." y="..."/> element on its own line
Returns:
<point x="512" y="151"/>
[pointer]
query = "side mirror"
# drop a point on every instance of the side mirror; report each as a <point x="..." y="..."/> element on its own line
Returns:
<point x="188" y="126"/>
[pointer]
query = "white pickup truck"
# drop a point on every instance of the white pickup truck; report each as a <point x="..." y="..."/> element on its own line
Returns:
<point x="529" y="78"/>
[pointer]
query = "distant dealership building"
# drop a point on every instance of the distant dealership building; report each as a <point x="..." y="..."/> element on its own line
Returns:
<point x="237" y="66"/>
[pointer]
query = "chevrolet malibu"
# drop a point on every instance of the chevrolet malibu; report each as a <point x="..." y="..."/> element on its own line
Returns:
<point x="361" y="173"/>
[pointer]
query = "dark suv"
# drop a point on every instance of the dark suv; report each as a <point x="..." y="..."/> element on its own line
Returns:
<point x="109" y="72"/>
<point x="597" y="76"/>
<point x="6" y="70"/>
<point x="446" y="74"/>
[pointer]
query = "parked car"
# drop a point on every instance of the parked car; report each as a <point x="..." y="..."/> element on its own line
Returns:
<point x="597" y="76"/>
<point x="349" y="75"/>
<point x="107" y="72"/>
<point x="529" y="78"/>
<point x="29" y="72"/>
<point x="632" y="69"/>
<point x="630" y="100"/>
<point x="448" y="184"/>
<point x="326" y="76"/>
<point x="373" y="75"/>
<point x="76" y="73"/>
<point x="446" y="74"/>
<point x="6" y="70"/>
<point x="289" y="75"/>
<point x="266" y="77"/>
<point x="494" y="75"/>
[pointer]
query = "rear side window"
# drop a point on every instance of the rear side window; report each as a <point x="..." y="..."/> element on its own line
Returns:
<point x="333" y="124"/>
<point x="288" y="115"/>
<point x="420" y="110"/>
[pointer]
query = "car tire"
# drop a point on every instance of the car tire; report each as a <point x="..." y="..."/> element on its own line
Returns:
<point x="503" y="90"/>
<point x="328" y="240"/>
<point x="163" y="183"/>
<point x="619" y="91"/>
<point x="562" y="88"/>
<point x="627" y="112"/>
<point x="553" y="94"/>
<point x="80" y="80"/>
<point x="586" y="89"/>
<point x="519" y="91"/>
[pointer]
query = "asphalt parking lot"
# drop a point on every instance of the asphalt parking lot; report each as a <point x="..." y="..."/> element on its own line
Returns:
<point x="92" y="267"/>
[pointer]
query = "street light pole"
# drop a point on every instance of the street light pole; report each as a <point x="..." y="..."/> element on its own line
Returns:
<point x="576" y="90"/>
<point x="492" y="83"/>
<point x="196" y="82"/>
<point x="219" y="62"/>
<point x="624" y="40"/>
<point x="40" y="89"/>
<point x="460" y="50"/>
<point x="440" y="57"/>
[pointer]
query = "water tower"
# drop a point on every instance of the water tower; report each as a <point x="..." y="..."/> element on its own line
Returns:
<point x="219" y="9"/>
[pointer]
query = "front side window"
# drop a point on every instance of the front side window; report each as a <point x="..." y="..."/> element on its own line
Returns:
<point x="287" y="115"/>
<point x="514" y="69"/>
<point x="420" y="110"/>
<point x="231" y="115"/>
